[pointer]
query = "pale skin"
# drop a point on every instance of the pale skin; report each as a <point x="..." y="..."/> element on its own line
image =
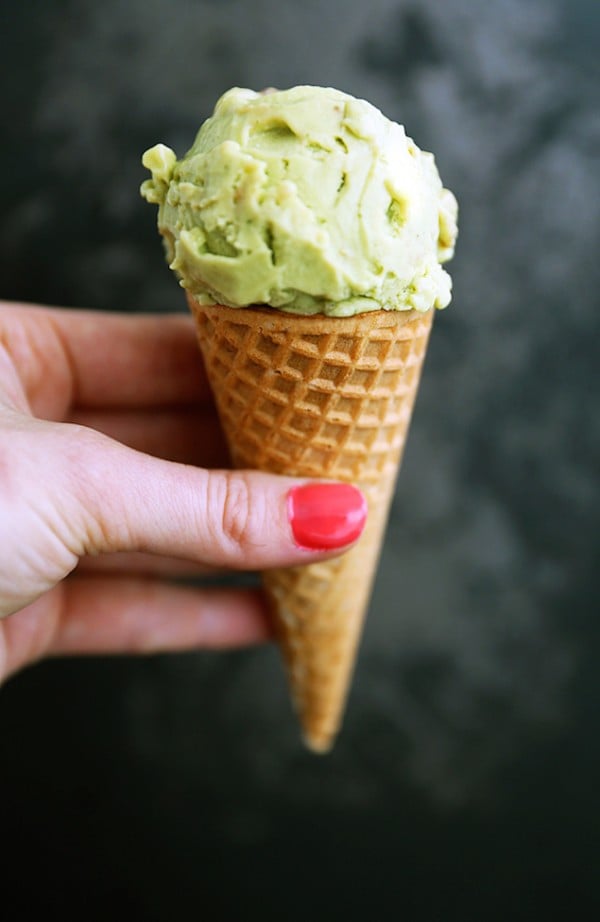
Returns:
<point x="113" y="481"/>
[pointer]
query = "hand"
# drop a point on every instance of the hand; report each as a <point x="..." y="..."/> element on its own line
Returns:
<point x="105" y="420"/>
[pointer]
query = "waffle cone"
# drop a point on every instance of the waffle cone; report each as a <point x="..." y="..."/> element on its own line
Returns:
<point x="318" y="397"/>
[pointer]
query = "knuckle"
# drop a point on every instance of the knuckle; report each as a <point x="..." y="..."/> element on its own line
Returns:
<point x="238" y="512"/>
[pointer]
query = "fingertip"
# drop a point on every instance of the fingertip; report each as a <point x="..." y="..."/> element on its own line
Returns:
<point x="326" y="516"/>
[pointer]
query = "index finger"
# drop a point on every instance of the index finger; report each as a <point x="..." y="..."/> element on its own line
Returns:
<point x="92" y="359"/>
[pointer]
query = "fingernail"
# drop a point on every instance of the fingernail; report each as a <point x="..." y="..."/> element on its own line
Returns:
<point x="325" y="516"/>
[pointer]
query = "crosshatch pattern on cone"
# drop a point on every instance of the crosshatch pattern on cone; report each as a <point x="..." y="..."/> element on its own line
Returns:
<point x="315" y="404"/>
<point x="318" y="397"/>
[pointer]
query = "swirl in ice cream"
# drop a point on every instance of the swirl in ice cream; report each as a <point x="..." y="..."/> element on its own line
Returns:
<point x="307" y="200"/>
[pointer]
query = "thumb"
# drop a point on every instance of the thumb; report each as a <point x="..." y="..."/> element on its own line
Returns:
<point x="130" y="501"/>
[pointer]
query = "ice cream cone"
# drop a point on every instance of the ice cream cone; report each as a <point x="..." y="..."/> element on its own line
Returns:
<point x="318" y="397"/>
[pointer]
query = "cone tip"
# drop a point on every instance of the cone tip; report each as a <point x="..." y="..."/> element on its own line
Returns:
<point x="318" y="744"/>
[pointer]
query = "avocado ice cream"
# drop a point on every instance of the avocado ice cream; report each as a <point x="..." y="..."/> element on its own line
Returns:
<point x="306" y="200"/>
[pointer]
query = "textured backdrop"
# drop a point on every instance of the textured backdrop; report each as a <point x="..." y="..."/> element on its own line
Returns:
<point x="464" y="782"/>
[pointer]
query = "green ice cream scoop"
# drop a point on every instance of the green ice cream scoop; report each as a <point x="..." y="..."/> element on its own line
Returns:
<point x="307" y="200"/>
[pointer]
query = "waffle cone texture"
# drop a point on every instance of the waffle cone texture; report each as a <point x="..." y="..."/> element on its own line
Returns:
<point x="318" y="397"/>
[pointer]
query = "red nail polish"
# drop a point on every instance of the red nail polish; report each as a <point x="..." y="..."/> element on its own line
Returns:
<point x="325" y="516"/>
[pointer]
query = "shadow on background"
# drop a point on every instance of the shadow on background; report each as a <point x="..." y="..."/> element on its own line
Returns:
<point x="464" y="782"/>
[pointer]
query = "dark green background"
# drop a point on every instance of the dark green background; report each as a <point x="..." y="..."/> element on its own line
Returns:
<point x="464" y="784"/>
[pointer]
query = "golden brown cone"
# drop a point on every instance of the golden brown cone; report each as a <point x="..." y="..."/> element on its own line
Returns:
<point x="318" y="397"/>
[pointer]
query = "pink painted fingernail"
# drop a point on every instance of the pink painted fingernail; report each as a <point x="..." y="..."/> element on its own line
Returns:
<point x="325" y="516"/>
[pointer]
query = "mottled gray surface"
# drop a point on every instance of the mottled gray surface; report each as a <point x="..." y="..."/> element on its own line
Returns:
<point x="464" y="781"/>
